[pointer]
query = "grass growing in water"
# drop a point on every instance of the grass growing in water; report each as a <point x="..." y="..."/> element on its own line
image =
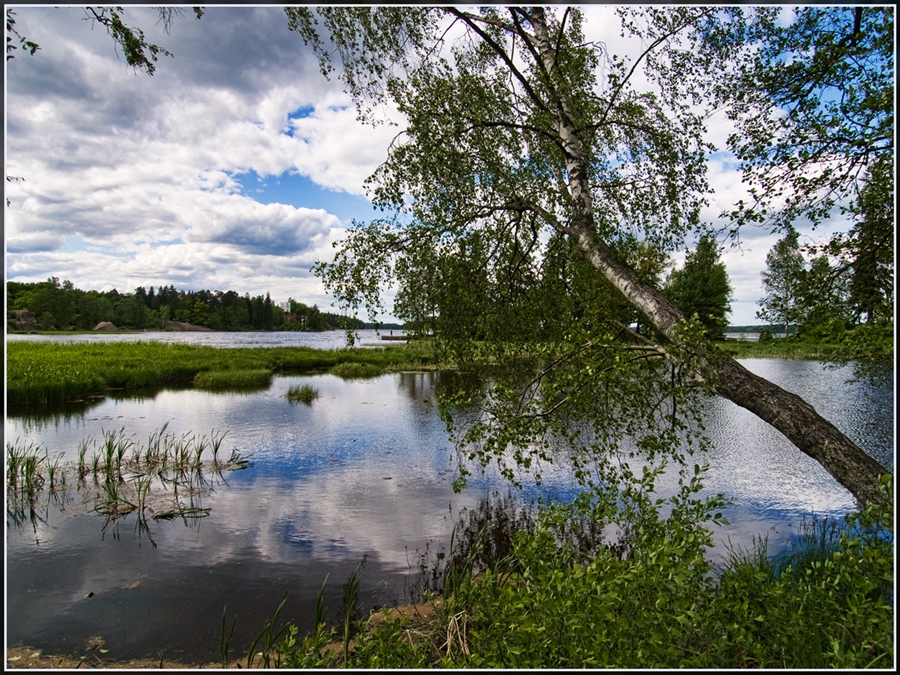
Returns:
<point x="46" y="372"/>
<point x="304" y="393"/>
<point x="233" y="379"/>
<point x="28" y="469"/>
<point x="357" y="370"/>
<point x="165" y="479"/>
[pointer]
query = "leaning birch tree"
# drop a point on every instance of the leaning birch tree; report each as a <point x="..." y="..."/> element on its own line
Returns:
<point x="522" y="144"/>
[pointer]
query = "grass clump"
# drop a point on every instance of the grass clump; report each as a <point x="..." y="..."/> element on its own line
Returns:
<point x="29" y="470"/>
<point x="353" y="370"/>
<point x="233" y="379"/>
<point x="304" y="393"/>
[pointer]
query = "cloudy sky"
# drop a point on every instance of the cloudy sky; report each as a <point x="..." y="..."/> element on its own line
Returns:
<point x="234" y="167"/>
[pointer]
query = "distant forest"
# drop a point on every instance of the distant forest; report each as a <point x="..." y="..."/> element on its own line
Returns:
<point x="61" y="306"/>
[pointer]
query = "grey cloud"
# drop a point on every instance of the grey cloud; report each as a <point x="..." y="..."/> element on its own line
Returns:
<point x="34" y="242"/>
<point x="273" y="229"/>
<point x="239" y="48"/>
<point x="56" y="71"/>
<point x="45" y="76"/>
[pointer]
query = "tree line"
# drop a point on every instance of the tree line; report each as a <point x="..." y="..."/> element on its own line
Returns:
<point x="847" y="281"/>
<point x="59" y="305"/>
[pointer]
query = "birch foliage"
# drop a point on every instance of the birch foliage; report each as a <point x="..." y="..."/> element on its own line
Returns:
<point x="522" y="143"/>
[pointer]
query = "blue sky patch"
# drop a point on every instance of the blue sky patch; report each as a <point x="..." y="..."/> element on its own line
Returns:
<point x="300" y="113"/>
<point x="302" y="192"/>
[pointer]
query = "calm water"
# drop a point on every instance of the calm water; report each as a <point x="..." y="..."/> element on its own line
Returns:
<point x="331" y="339"/>
<point x="364" y="471"/>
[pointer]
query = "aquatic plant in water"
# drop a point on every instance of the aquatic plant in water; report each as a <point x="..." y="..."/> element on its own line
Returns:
<point x="350" y="370"/>
<point x="304" y="393"/>
<point x="163" y="480"/>
<point x="233" y="379"/>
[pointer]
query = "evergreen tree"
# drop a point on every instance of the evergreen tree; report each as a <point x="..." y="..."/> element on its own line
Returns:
<point x="823" y="306"/>
<point x="702" y="287"/>
<point x="871" y="246"/>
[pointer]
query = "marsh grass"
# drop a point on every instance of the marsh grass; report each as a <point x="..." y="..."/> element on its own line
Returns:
<point x="162" y="480"/>
<point x="45" y="373"/>
<point x="349" y="609"/>
<point x="304" y="393"/>
<point x="82" y="466"/>
<point x="357" y="370"/>
<point x="792" y="348"/>
<point x="267" y="640"/>
<point x="225" y="640"/>
<point x="26" y="469"/>
<point x="254" y="378"/>
<point x="31" y="473"/>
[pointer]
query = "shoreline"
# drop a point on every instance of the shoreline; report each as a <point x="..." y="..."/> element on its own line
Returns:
<point x="23" y="657"/>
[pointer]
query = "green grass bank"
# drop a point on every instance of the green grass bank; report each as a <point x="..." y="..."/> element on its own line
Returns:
<point x="43" y="373"/>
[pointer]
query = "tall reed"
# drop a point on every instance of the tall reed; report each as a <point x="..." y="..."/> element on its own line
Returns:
<point x="349" y="608"/>
<point x="225" y="641"/>
<point x="267" y="639"/>
<point x="163" y="480"/>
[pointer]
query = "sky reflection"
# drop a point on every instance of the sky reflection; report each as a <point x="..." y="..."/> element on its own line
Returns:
<point x="366" y="470"/>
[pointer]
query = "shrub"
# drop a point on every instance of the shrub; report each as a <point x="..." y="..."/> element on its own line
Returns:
<point x="654" y="602"/>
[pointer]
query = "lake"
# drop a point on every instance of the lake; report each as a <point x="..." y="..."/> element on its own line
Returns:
<point x="329" y="339"/>
<point x="364" y="471"/>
